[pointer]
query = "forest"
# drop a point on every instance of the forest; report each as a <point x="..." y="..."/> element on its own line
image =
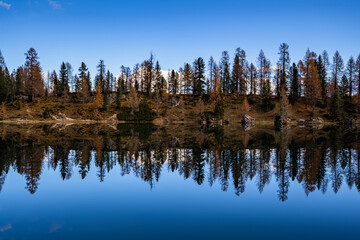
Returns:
<point x="325" y="88"/>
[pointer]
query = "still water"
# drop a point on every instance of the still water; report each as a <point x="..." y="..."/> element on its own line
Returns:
<point x="180" y="182"/>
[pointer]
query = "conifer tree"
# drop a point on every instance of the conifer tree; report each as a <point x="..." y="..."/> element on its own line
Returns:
<point x="357" y="69"/>
<point x="98" y="102"/>
<point x="159" y="79"/>
<point x="344" y="87"/>
<point x="187" y="78"/>
<point x="225" y="71"/>
<point x="210" y="79"/>
<point x="236" y="72"/>
<point x="173" y="82"/>
<point x="253" y="79"/>
<point x="350" y="73"/>
<point x="284" y="64"/>
<point x="294" y="84"/>
<point x="100" y="77"/>
<point x="64" y="80"/>
<point x="242" y="70"/>
<point x="322" y="75"/>
<point x="34" y="85"/>
<point x="337" y="69"/>
<point x="2" y="62"/>
<point x="199" y="76"/>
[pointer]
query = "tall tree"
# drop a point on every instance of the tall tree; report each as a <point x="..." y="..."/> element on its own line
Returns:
<point x="357" y="69"/>
<point x="173" y="82"/>
<point x="100" y="77"/>
<point x="225" y="71"/>
<point x="34" y="85"/>
<point x="253" y="79"/>
<point x="84" y="75"/>
<point x="210" y="79"/>
<point x="344" y="87"/>
<point x="63" y="80"/>
<point x="337" y="69"/>
<point x="199" y="76"/>
<point x="187" y="78"/>
<point x="311" y="79"/>
<point x="350" y="72"/>
<point x="284" y="63"/>
<point x="236" y="72"/>
<point x="322" y="75"/>
<point x="242" y="70"/>
<point x="2" y="61"/>
<point x="294" y="84"/>
<point x="159" y="79"/>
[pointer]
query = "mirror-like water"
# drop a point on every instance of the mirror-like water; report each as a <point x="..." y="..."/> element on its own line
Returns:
<point x="140" y="181"/>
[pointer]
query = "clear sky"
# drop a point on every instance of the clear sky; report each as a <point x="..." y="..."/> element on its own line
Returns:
<point x="125" y="32"/>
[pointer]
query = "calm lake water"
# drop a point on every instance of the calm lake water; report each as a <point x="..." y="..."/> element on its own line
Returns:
<point x="179" y="182"/>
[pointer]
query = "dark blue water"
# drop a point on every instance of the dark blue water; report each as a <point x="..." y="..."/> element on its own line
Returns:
<point x="132" y="188"/>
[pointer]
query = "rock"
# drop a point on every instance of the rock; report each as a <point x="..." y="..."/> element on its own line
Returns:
<point x="301" y="123"/>
<point x="247" y="122"/>
<point x="316" y="123"/>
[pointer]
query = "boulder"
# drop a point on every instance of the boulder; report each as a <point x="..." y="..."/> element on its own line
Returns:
<point x="247" y="122"/>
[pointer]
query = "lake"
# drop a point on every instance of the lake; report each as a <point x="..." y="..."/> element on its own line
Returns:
<point x="178" y="182"/>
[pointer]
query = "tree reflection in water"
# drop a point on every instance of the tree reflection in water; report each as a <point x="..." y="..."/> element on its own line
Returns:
<point x="315" y="159"/>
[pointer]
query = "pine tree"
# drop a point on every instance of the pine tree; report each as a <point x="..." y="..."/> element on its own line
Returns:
<point x="199" y="77"/>
<point x="253" y="79"/>
<point x="225" y="71"/>
<point x="2" y="62"/>
<point x="84" y="75"/>
<point x="357" y="69"/>
<point x="106" y="90"/>
<point x="64" y="80"/>
<point x="337" y="69"/>
<point x="294" y="84"/>
<point x="242" y="70"/>
<point x="344" y="87"/>
<point x="284" y="63"/>
<point x="322" y="75"/>
<point x="159" y="79"/>
<point x="236" y="72"/>
<point x="173" y="82"/>
<point x="350" y="72"/>
<point x="210" y="79"/>
<point x="187" y="78"/>
<point x="19" y="81"/>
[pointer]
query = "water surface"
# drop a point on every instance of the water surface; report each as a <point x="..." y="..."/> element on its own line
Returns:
<point x="179" y="182"/>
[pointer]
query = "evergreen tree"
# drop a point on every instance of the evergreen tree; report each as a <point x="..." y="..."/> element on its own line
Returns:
<point x="242" y="70"/>
<point x="100" y="77"/>
<point x="284" y="63"/>
<point x="236" y="72"/>
<point x="294" y="84"/>
<point x="19" y="81"/>
<point x="63" y="80"/>
<point x="337" y="69"/>
<point x="159" y="79"/>
<point x="210" y="79"/>
<point x="173" y="82"/>
<point x="199" y="76"/>
<point x="335" y="105"/>
<point x="350" y="72"/>
<point x="106" y="91"/>
<point x="84" y="75"/>
<point x="187" y="78"/>
<point x="225" y="71"/>
<point x="357" y="69"/>
<point x="344" y="87"/>
<point x="2" y="62"/>
<point x="253" y="79"/>
<point x="322" y="75"/>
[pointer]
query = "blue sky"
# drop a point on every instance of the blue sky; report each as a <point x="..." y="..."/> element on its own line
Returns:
<point x="125" y="32"/>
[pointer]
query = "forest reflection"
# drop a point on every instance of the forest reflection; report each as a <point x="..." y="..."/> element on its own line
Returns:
<point x="316" y="159"/>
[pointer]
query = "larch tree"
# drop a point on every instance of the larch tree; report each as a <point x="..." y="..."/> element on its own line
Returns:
<point x="98" y="101"/>
<point x="357" y="69"/>
<point x="84" y="75"/>
<point x="312" y="83"/>
<point x="216" y="89"/>
<point x="34" y="85"/>
<point x="344" y="87"/>
<point x="63" y="88"/>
